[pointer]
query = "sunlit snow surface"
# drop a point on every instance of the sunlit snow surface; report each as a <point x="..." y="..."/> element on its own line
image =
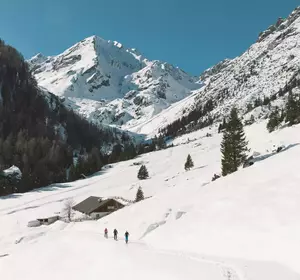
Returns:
<point x="243" y="226"/>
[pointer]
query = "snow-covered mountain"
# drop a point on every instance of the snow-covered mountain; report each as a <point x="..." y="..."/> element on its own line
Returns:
<point x="268" y="69"/>
<point x="110" y="84"/>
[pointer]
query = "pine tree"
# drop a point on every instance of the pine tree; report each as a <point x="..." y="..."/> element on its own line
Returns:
<point x="222" y="125"/>
<point x="161" y="142"/>
<point x="143" y="173"/>
<point x="274" y="120"/>
<point x="139" y="195"/>
<point x="189" y="163"/>
<point x="292" y="109"/>
<point x="234" y="144"/>
<point x="266" y="100"/>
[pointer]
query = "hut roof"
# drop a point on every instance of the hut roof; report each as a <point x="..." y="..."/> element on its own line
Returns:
<point x="91" y="204"/>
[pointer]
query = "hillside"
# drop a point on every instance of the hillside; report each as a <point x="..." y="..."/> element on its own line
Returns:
<point x="40" y="135"/>
<point x="110" y="84"/>
<point x="242" y="226"/>
<point x="255" y="82"/>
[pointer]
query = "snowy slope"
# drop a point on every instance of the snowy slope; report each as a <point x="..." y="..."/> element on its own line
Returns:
<point x="243" y="226"/>
<point x="110" y="84"/>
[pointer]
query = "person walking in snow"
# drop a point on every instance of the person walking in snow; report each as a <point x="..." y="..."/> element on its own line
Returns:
<point x="126" y="236"/>
<point x="106" y="233"/>
<point x="115" y="234"/>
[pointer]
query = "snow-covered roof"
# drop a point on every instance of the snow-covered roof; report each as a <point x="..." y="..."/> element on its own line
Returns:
<point x="12" y="171"/>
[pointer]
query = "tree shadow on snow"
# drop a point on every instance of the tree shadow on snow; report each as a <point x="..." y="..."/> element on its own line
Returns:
<point x="10" y="196"/>
<point x="263" y="157"/>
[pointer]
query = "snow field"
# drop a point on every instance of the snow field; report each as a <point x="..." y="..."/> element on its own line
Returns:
<point x="243" y="226"/>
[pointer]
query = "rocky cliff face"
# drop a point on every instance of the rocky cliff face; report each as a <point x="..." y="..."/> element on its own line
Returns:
<point x="263" y="71"/>
<point x="254" y="82"/>
<point x="110" y="84"/>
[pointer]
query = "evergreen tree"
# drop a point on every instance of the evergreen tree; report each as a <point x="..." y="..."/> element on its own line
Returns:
<point x="266" y="100"/>
<point x="234" y="144"/>
<point x="129" y="152"/>
<point x="292" y="109"/>
<point x="72" y="173"/>
<point x="222" y="125"/>
<point x="257" y="102"/>
<point x="249" y="107"/>
<point x="189" y="163"/>
<point x="29" y="139"/>
<point x="161" y="144"/>
<point x="143" y="173"/>
<point x="139" y="195"/>
<point x="274" y="120"/>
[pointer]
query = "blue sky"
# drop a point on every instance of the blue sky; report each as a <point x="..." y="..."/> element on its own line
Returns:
<point x="191" y="34"/>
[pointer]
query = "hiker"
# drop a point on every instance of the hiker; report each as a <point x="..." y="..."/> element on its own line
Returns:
<point x="106" y="233"/>
<point x="126" y="236"/>
<point x="115" y="234"/>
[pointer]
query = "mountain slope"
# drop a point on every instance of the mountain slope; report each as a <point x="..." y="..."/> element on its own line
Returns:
<point x="245" y="225"/>
<point x="110" y="84"/>
<point x="38" y="134"/>
<point x="254" y="82"/>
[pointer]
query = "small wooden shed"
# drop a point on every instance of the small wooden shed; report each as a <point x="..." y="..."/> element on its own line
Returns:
<point x="49" y="220"/>
<point x="43" y="221"/>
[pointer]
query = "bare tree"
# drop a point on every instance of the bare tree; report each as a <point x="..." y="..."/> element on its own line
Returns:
<point x="68" y="209"/>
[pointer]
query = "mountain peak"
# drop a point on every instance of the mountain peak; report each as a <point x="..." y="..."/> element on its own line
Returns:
<point x="110" y="83"/>
<point x="38" y="58"/>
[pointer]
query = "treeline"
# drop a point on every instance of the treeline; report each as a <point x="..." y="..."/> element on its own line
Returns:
<point x="290" y="114"/>
<point x="39" y="135"/>
<point x="196" y="119"/>
<point x="200" y="116"/>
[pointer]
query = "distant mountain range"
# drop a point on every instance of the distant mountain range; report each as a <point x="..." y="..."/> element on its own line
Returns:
<point x="110" y="84"/>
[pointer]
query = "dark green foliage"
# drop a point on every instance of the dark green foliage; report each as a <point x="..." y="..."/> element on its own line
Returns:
<point x="249" y="107"/>
<point x="87" y="164"/>
<point x="156" y="143"/>
<point x="139" y="195"/>
<point x="222" y="125"/>
<point x="273" y="97"/>
<point x="115" y="153"/>
<point x="281" y="93"/>
<point x="257" y="102"/>
<point x="143" y="173"/>
<point x="9" y="183"/>
<point x="234" y="144"/>
<point x="196" y="119"/>
<point x="291" y="112"/>
<point x="266" y="100"/>
<point x="160" y="143"/>
<point x="189" y="163"/>
<point x="292" y="109"/>
<point x="274" y="120"/>
<point x="37" y="137"/>
<point x="129" y="152"/>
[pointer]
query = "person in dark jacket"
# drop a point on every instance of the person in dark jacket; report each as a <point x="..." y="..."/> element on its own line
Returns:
<point x="115" y="234"/>
<point x="126" y="236"/>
